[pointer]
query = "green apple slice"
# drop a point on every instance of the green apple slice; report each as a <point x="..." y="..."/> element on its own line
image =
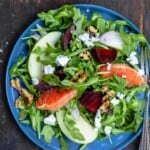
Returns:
<point x="84" y="127"/>
<point x="35" y="68"/>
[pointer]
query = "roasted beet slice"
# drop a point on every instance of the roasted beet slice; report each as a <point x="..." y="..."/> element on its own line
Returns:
<point x="67" y="37"/>
<point x="106" y="55"/>
<point x="91" y="100"/>
<point x="60" y="73"/>
<point x="43" y="86"/>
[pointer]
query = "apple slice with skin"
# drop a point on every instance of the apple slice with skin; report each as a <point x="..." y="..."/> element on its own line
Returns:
<point x="35" y="68"/>
<point x="84" y="127"/>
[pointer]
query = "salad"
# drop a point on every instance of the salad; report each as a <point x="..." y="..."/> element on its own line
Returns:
<point x="81" y="77"/>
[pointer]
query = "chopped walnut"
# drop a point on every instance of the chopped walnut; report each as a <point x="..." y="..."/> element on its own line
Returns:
<point x="28" y="97"/>
<point x="92" y="29"/>
<point x="19" y="103"/>
<point x="85" y="55"/>
<point x="15" y="83"/>
<point x="111" y="93"/>
<point x="81" y="76"/>
<point x="105" y="106"/>
<point x="104" y="98"/>
<point x="24" y="93"/>
<point x="105" y="88"/>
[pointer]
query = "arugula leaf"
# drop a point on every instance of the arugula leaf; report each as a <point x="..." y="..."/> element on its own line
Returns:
<point x="14" y="69"/>
<point x="35" y="118"/>
<point x="23" y="114"/>
<point x="63" y="143"/>
<point x="131" y="42"/>
<point x="59" y="19"/>
<point x="80" y="22"/>
<point x="20" y="69"/>
<point x="48" y="133"/>
<point x="104" y="25"/>
<point x="52" y="80"/>
<point x="117" y="83"/>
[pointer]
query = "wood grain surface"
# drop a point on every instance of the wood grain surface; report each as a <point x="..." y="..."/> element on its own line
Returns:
<point x="15" y="16"/>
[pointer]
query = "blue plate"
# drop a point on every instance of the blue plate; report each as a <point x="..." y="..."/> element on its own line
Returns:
<point x="118" y="142"/>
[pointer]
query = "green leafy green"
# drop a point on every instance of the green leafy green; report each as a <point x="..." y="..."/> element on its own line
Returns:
<point x="52" y="80"/>
<point x="59" y="19"/>
<point x="48" y="133"/>
<point x="63" y="143"/>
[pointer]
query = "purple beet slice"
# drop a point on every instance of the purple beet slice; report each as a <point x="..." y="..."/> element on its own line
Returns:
<point x="91" y="100"/>
<point x="43" y="86"/>
<point x="67" y="37"/>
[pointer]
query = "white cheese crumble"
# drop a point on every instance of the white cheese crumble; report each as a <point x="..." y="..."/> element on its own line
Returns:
<point x="50" y="120"/>
<point x="49" y="69"/>
<point x="84" y="37"/>
<point x="120" y="95"/>
<point x="115" y="101"/>
<point x="62" y="60"/>
<point x="35" y="81"/>
<point x="88" y="40"/>
<point x="107" y="130"/>
<point x="97" y="121"/>
<point x="132" y="59"/>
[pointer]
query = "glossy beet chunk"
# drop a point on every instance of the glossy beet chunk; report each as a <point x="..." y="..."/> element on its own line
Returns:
<point x="59" y="72"/>
<point x="91" y="101"/>
<point x="67" y="37"/>
<point x="106" y="55"/>
<point x="43" y="86"/>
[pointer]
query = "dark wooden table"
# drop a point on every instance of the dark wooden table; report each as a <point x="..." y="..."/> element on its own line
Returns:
<point x="15" y="16"/>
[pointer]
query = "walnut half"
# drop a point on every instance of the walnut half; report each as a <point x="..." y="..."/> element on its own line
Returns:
<point x="24" y="93"/>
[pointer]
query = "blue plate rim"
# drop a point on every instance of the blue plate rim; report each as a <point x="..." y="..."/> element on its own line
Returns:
<point x="26" y="31"/>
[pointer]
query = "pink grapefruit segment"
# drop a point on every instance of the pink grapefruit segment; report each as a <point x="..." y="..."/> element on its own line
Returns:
<point x="131" y="75"/>
<point x="54" y="99"/>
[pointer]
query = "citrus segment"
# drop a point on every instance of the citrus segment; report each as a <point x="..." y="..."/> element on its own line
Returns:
<point x="131" y="75"/>
<point x="54" y="99"/>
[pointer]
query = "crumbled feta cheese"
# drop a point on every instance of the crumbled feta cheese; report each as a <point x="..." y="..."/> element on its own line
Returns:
<point x="97" y="121"/>
<point x="35" y="81"/>
<point x="133" y="54"/>
<point x="50" y="120"/>
<point x="115" y="101"/>
<point x="95" y="38"/>
<point x="88" y="40"/>
<point x="141" y="72"/>
<point x="88" y="43"/>
<point x="62" y="60"/>
<point x="107" y="130"/>
<point x="120" y="95"/>
<point x="84" y="37"/>
<point x="132" y="59"/>
<point x="49" y="69"/>
<point x="108" y="66"/>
